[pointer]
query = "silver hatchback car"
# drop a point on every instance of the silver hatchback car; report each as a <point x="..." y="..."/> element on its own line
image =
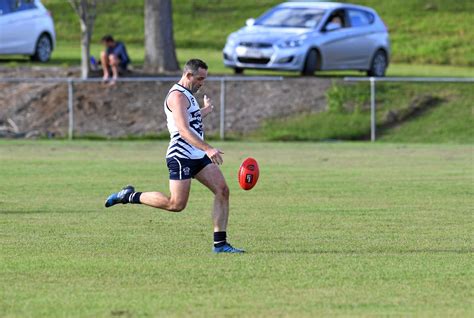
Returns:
<point x="311" y="36"/>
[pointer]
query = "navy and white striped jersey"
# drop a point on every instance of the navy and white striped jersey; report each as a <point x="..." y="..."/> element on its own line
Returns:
<point x="178" y="147"/>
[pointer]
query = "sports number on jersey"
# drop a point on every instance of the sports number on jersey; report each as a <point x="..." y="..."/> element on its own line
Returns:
<point x="196" y="122"/>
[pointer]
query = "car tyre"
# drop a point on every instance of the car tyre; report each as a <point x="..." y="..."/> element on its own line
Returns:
<point x="310" y="63"/>
<point x="43" y="49"/>
<point x="379" y="64"/>
<point x="238" y="70"/>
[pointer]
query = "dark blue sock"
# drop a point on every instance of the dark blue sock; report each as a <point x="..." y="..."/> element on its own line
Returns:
<point x="220" y="239"/>
<point x="133" y="198"/>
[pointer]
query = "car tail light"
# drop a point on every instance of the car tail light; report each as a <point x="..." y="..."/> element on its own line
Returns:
<point x="50" y="13"/>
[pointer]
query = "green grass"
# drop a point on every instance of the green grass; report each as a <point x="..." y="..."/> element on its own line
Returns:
<point x="341" y="229"/>
<point x="449" y="121"/>
<point x="428" y="32"/>
<point x="68" y="54"/>
<point x="422" y="32"/>
<point x="429" y="70"/>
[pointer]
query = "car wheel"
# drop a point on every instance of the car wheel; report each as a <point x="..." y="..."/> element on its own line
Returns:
<point x="238" y="70"/>
<point x="43" y="49"/>
<point x="310" y="63"/>
<point x="379" y="64"/>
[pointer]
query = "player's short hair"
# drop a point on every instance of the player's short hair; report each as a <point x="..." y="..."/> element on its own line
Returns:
<point x="193" y="65"/>
<point x="107" y="38"/>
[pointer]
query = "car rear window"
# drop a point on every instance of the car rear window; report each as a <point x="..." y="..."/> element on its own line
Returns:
<point x="360" y="18"/>
<point x="291" y="17"/>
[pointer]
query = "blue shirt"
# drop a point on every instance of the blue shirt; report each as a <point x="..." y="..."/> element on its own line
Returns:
<point x="121" y="52"/>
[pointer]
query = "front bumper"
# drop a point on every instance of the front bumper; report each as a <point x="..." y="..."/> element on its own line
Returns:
<point x="270" y="58"/>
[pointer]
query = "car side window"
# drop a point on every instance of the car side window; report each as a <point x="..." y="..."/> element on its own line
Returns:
<point x="25" y="5"/>
<point x="14" y="4"/>
<point x="337" y="18"/>
<point x="4" y="7"/>
<point x="360" y="18"/>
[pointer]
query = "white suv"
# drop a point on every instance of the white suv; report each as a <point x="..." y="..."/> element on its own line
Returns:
<point x="26" y="27"/>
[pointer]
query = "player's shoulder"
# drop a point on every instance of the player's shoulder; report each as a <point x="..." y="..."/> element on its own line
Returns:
<point x="177" y="94"/>
<point x="177" y="98"/>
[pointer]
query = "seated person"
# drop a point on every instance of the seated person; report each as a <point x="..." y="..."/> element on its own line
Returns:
<point x="336" y="20"/>
<point x="114" y="58"/>
<point x="334" y="23"/>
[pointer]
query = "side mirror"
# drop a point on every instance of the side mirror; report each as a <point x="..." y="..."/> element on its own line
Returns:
<point x="250" y="22"/>
<point x="332" y="27"/>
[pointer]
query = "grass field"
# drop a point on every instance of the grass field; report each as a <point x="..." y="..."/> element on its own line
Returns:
<point x="68" y="54"/>
<point x="429" y="38"/>
<point x="422" y="32"/>
<point x="448" y="120"/>
<point x="331" y="229"/>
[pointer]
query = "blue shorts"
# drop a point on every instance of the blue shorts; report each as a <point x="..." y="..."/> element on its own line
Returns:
<point x="182" y="169"/>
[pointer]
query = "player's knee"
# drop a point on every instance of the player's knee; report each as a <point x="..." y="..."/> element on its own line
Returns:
<point x="177" y="206"/>
<point x="223" y="191"/>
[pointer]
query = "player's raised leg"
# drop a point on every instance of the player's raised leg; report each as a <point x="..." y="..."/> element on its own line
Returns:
<point x="176" y="202"/>
<point x="211" y="176"/>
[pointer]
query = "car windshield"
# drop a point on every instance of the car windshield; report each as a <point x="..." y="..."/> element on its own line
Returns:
<point x="291" y="18"/>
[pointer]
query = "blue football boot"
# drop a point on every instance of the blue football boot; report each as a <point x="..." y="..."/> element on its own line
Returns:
<point x="118" y="197"/>
<point x="227" y="248"/>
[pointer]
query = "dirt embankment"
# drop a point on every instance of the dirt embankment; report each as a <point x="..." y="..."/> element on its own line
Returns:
<point x="131" y="108"/>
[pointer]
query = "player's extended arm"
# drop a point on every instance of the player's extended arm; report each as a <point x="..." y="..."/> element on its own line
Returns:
<point x="178" y="105"/>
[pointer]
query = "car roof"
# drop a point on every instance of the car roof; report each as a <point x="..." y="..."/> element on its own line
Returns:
<point x="321" y="5"/>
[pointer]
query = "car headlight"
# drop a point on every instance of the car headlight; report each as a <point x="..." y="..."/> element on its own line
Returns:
<point x="291" y="43"/>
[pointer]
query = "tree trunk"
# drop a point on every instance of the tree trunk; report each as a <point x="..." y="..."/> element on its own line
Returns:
<point x="86" y="11"/>
<point x="160" y="51"/>
<point x="85" y="50"/>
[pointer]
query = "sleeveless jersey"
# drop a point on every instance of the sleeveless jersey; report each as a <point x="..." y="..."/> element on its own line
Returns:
<point x="178" y="147"/>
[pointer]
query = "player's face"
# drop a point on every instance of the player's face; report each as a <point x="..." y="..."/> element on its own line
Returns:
<point x="197" y="80"/>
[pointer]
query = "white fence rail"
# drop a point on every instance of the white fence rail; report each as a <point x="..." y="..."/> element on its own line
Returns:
<point x="373" y="80"/>
<point x="71" y="81"/>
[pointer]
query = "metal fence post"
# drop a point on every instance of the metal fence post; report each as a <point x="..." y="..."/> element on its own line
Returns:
<point x="222" y="123"/>
<point x="372" y="109"/>
<point x="70" y="107"/>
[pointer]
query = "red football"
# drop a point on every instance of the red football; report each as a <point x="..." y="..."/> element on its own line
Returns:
<point x="248" y="174"/>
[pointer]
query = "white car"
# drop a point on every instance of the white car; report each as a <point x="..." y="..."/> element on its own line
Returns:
<point x="26" y="27"/>
<point x="311" y="36"/>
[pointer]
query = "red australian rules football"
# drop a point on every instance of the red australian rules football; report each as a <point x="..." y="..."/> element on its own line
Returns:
<point x="248" y="174"/>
